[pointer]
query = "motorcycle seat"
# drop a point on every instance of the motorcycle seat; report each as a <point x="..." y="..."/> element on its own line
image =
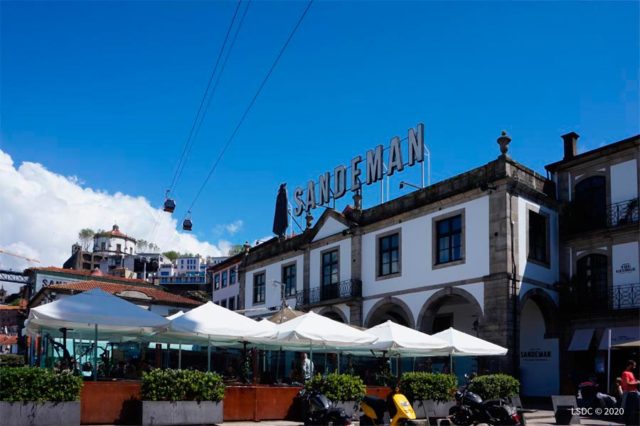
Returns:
<point x="493" y="403"/>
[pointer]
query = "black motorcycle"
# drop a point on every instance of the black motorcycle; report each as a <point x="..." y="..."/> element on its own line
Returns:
<point x="317" y="410"/>
<point x="470" y="409"/>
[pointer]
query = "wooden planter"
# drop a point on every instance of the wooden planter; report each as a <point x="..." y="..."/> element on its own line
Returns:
<point x="114" y="402"/>
<point x="432" y="409"/>
<point x="40" y="413"/>
<point x="260" y="403"/>
<point x="181" y="412"/>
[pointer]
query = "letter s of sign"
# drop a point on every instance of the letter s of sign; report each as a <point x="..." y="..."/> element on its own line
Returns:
<point x="297" y="198"/>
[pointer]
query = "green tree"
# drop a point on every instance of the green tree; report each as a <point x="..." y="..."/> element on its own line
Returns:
<point x="142" y="245"/>
<point x="172" y="255"/>
<point x="235" y="249"/>
<point x="86" y="237"/>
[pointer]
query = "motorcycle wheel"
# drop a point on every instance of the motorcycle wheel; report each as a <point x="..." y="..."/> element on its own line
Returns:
<point x="460" y="417"/>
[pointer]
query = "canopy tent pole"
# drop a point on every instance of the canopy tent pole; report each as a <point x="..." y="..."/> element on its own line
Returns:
<point x="73" y="351"/>
<point x="338" y="363"/>
<point x="451" y="363"/>
<point x="95" y="354"/>
<point x="398" y="366"/>
<point x="168" y="355"/>
<point x="180" y="356"/>
<point x="209" y="353"/>
<point x="311" y="357"/>
<point x="413" y="366"/>
<point x="325" y="364"/>
<point x="608" y="360"/>
<point x="41" y="350"/>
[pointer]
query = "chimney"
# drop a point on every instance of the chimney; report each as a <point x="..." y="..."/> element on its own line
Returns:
<point x="570" y="145"/>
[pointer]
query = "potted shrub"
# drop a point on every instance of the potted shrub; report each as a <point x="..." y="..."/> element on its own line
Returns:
<point x="11" y="360"/>
<point x="36" y="396"/>
<point x="431" y="394"/>
<point x="171" y="397"/>
<point x="494" y="386"/>
<point x="343" y="390"/>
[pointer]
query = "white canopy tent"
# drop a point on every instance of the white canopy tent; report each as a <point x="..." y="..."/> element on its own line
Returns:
<point x="398" y="339"/>
<point x="92" y="313"/>
<point x="311" y="331"/>
<point x="215" y="325"/>
<point x="317" y="330"/>
<point x="115" y="317"/>
<point x="463" y="344"/>
<point x="176" y="315"/>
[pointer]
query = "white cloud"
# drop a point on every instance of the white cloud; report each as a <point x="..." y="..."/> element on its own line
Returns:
<point x="234" y="227"/>
<point x="41" y="213"/>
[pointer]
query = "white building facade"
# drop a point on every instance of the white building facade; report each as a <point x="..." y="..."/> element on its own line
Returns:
<point x="478" y="252"/>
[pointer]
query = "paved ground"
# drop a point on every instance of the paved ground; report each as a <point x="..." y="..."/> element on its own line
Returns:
<point x="541" y="417"/>
<point x="546" y="417"/>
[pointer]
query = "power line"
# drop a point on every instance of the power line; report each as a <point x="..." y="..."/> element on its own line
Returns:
<point x="215" y="87"/>
<point x="189" y="140"/>
<point x="251" y="103"/>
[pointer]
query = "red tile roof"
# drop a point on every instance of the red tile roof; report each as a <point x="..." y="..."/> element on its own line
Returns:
<point x="86" y="273"/>
<point x="5" y="339"/>
<point x="156" y="294"/>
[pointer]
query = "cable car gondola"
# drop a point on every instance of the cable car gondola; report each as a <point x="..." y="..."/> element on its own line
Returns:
<point x="186" y="224"/>
<point x="169" y="204"/>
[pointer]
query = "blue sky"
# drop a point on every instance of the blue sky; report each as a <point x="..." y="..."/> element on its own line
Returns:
<point x="107" y="91"/>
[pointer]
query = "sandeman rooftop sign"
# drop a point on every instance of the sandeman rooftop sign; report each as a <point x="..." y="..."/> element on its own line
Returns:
<point x="361" y="171"/>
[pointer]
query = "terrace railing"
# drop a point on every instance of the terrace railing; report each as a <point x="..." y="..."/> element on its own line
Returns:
<point x="342" y="291"/>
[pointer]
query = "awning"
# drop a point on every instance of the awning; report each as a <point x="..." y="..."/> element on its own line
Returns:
<point x="581" y="340"/>
<point x="631" y="344"/>
<point x="619" y="335"/>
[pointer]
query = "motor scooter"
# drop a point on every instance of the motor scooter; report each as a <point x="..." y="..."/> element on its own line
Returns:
<point x="317" y="410"/>
<point x="470" y="409"/>
<point x="374" y="409"/>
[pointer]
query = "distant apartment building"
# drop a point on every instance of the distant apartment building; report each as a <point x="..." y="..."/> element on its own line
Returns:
<point x="225" y="285"/>
<point x="190" y="265"/>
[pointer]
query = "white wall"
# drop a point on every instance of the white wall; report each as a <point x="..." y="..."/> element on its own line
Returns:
<point x="111" y="244"/>
<point x="273" y="292"/>
<point x="529" y="269"/>
<point x="539" y="357"/>
<point x="416" y="251"/>
<point x="316" y="261"/>
<point x="330" y="227"/>
<point x="624" y="263"/>
<point x="624" y="181"/>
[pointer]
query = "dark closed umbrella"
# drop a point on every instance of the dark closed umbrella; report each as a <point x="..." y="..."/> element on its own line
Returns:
<point x="281" y="217"/>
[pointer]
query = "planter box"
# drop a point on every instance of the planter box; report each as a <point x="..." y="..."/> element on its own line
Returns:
<point x="432" y="409"/>
<point x="40" y="413"/>
<point x="181" y="412"/>
<point x="113" y="402"/>
<point x="351" y="408"/>
<point x="256" y="403"/>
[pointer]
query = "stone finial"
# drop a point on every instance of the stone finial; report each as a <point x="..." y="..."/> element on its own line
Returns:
<point x="309" y="220"/>
<point x="504" y="140"/>
<point x="357" y="201"/>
